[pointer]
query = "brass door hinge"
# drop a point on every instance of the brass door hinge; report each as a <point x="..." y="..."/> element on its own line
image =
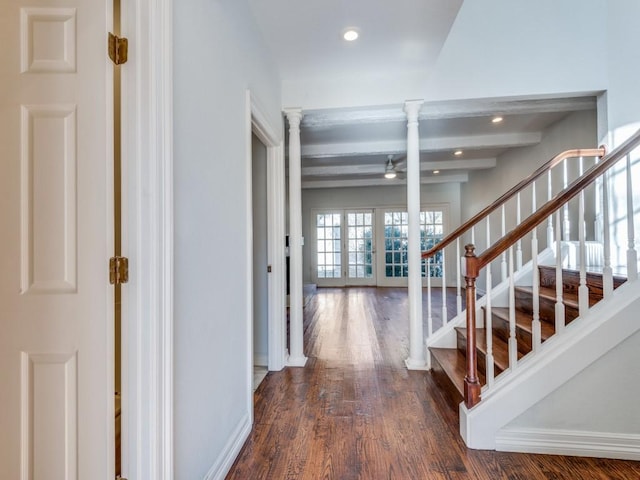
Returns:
<point x="118" y="270"/>
<point x="118" y="49"/>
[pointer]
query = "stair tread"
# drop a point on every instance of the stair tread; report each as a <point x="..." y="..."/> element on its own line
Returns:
<point x="570" y="299"/>
<point x="524" y="321"/>
<point x="500" y="348"/>
<point x="454" y="364"/>
<point x="591" y="272"/>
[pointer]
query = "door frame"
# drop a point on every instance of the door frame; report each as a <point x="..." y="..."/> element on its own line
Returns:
<point x="147" y="216"/>
<point x="267" y="131"/>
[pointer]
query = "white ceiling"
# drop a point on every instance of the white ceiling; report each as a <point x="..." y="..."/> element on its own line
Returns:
<point x="350" y="146"/>
<point x="305" y="36"/>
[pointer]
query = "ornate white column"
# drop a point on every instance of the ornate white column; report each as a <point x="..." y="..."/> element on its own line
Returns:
<point x="296" y="354"/>
<point x="416" y="360"/>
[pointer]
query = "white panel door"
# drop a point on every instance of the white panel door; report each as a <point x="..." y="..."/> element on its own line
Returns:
<point x="56" y="305"/>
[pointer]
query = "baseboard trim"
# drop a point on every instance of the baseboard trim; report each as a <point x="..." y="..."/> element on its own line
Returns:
<point x="296" y="361"/>
<point x="231" y="450"/>
<point x="569" y="442"/>
<point x="260" y="360"/>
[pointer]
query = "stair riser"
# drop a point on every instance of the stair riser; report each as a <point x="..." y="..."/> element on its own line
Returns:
<point x="451" y="393"/>
<point x="481" y="355"/>
<point x="501" y="330"/>
<point x="571" y="281"/>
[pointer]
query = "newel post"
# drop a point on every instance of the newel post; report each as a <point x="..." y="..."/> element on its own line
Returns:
<point x="471" y="382"/>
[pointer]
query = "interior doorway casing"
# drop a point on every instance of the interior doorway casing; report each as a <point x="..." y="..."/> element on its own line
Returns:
<point x="266" y="131"/>
<point x="147" y="216"/>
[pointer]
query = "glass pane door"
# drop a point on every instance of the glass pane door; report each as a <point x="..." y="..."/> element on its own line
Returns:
<point x="432" y="232"/>
<point x="396" y="231"/>
<point x="395" y="263"/>
<point x="360" y="248"/>
<point x="328" y="246"/>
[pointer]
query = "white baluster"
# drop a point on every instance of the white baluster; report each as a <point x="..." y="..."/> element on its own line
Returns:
<point x="458" y="279"/>
<point x="513" y="343"/>
<point x="597" y="223"/>
<point x="429" y="315"/>
<point x="503" y="263"/>
<point x="607" y="272"/>
<point x="567" y="222"/>
<point x="536" y="329"/>
<point x="632" y="255"/>
<point x="444" y="289"/>
<point x="473" y="236"/>
<point x="559" y="300"/>
<point x="583" y="290"/>
<point x="519" y="243"/>
<point x="550" y="220"/>
<point x="489" y="368"/>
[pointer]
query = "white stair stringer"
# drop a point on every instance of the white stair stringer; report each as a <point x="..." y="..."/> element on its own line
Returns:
<point x="560" y="359"/>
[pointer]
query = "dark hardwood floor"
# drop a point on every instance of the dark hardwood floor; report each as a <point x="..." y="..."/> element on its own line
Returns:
<point x="355" y="412"/>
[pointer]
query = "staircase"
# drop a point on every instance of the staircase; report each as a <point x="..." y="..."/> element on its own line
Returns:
<point x="535" y="337"/>
<point x="448" y="364"/>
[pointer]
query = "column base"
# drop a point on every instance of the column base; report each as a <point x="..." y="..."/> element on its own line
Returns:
<point x="296" y="361"/>
<point x="416" y="365"/>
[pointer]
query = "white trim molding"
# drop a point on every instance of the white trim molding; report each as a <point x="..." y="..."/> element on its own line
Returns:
<point x="230" y="451"/>
<point x="147" y="133"/>
<point x="267" y="131"/>
<point x="569" y="442"/>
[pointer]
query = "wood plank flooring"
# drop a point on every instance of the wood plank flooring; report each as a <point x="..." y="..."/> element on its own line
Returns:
<point x="355" y="412"/>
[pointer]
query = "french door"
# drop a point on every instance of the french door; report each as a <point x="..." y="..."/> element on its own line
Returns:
<point x="393" y="262"/>
<point x="345" y="247"/>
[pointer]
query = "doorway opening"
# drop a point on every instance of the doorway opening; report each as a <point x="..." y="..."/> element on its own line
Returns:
<point x="260" y="260"/>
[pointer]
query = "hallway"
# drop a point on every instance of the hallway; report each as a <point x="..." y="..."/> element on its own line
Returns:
<point x="355" y="412"/>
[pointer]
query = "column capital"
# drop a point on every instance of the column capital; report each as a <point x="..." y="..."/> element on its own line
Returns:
<point x="294" y="115"/>
<point x="412" y="108"/>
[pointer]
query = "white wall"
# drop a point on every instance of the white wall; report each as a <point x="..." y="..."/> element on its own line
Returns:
<point x="577" y="130"/>
<point x="621" y="112"/>
<point x="370" y="197"/>
<point x="623" y="69"/>
<point x="602" y="398"/>
<point x="217" y="56"/>
<point x="501" y="48"/>
<point x="260" y="258"/>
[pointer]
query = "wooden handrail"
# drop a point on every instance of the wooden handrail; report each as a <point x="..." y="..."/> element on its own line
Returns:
<point x="588" y="152"/>
<point x="558" y="201"/>
<point x="475" y="263"/>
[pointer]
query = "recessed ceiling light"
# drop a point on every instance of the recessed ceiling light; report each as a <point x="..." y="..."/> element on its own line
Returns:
<point x="435" y="172"/>
<point x="497" y="119"/>
<point x="457" y="153"/>
<point x="350" y="34"/>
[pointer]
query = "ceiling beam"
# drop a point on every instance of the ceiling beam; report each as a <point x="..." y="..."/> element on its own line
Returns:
<point x="458" y="164"/>
<point x="377" y="182"/>
<point x="448" y="109"/>
<point x="394" y="147"/>
<point x="372" y="169"/>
